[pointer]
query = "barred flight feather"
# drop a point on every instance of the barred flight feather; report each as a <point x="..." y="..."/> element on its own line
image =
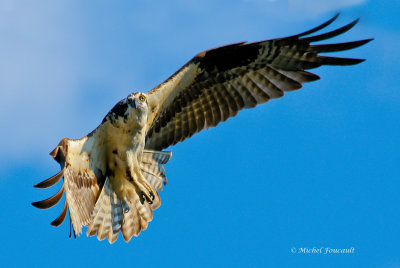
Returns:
<point x="106" y="214"/>
<point x="227" y="79"/>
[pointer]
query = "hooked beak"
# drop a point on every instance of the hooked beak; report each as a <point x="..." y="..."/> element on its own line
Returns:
<point x="133" y="104"/>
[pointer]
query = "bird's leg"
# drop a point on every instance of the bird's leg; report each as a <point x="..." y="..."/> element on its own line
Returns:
<point x="143" y="188"/>
<point x="133" y="156"/>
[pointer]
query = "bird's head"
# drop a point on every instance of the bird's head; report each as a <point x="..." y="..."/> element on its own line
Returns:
<point x="137" y="104"/>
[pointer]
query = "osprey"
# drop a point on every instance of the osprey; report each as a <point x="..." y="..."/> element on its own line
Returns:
<point x="112" y="175"/>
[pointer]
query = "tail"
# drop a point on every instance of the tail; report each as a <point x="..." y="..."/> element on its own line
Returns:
<point x="153" y="169"/>
<point x="119" y="207"/>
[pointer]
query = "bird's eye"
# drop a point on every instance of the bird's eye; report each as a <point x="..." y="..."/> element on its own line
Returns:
<point x="142" y="98"/>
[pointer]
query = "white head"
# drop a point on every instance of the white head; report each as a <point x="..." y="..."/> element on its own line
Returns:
<point x="137" y="106"/>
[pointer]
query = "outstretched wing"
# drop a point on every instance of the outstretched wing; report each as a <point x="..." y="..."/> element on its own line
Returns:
<point x="217" y="83"/>
<point x="80" y="185"/>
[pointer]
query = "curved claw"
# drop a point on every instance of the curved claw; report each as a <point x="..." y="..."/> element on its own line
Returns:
<point x="146" y="198"/>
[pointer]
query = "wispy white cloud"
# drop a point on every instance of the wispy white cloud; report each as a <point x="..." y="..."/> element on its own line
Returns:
<point x="39" y="70"/>
<point x="52" y="52"/>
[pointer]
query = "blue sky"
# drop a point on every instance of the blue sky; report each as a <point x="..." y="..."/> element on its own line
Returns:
<point x="317" y="168"/>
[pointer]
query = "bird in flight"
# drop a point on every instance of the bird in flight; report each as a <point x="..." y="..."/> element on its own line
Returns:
<point x="112" y="175"/>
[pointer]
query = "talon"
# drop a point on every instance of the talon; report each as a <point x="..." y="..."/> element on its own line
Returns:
<point x="146" y="197"/>
<point x="126" y="207"/>
<point x="142" y="198"/>
<point x="145" y="192"/>
<point x="150" y="201"/>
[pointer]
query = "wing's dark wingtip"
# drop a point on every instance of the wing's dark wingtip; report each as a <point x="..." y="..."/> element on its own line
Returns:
<point x="51" y="181"/>
<point x="323" y="25"/>
<point x="340" y="61"/>
<point x="51" y="201"/>
<point x="339" y="46"/>
<point x="369" y="40"/>
<point x="331" y="34"/>
<point x="61" y="217"/>
<point x="354" y="22"/>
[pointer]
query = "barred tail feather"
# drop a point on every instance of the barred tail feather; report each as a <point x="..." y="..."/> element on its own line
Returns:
<point x="131" y="224"/>
<point x="121" y="208"/>
<point x="152" y="167"/>
<point x="111" y="214"/>
<point x="137" y="215"/>
<point x="132" y="220"/>
<point x="107" y="215"/>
